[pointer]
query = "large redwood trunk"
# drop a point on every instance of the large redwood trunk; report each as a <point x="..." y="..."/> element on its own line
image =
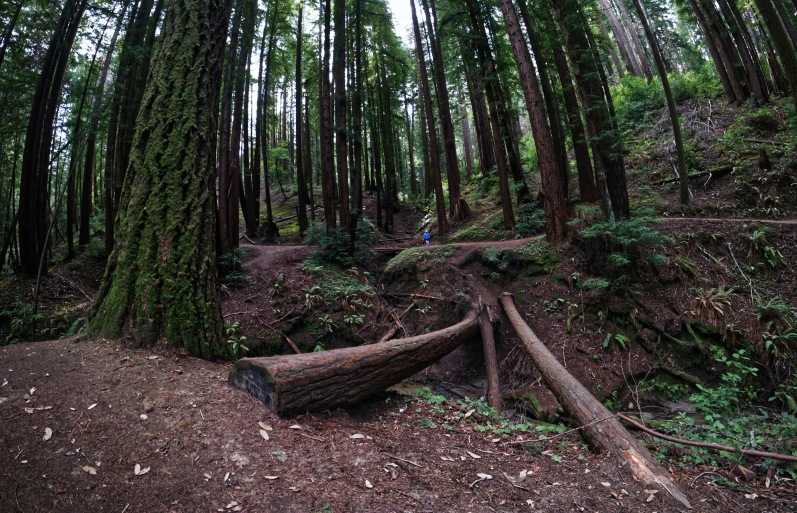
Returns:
<point x="329" y="379"/>
<point x="555" y="202"/>
<point x="600" y="427"/>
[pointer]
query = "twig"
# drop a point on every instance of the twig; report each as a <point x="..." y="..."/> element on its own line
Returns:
<point x="17" y="498"/>
<point x="478" y="481"/>
<point x="750" y="282"/>
<point x="401" y="459"/>
<point x="560" y="434"/>
<point x="397" y="294"/>
<point x="692" y="484"/>
<point x="283" y="335"/>
<point x="514" y="484"/>
<point x="123" y="511"/>
<point x="312" y="437"/>
<point x="706" y="445"/>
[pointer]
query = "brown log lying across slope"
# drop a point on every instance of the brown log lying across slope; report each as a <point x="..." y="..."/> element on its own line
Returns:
<point x="601" y="427"/>
<point x="329" y="379"/>
<point x="716" y="171"/>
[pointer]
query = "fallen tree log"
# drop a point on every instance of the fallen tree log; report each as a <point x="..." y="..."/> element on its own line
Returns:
<point x="487" y="318"/>
<point x="716" y="171"/>
<point x="340" y="377"/>
<point x="600" y="427"/>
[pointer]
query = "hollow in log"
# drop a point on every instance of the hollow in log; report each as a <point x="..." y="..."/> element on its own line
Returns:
<point x="341" y="377"/>
<point x="601" y="428"/>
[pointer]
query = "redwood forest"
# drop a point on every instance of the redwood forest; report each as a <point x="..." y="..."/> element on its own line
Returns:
<point x="398" y="256"/>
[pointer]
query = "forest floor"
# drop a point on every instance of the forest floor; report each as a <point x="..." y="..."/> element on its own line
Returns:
<point x="79" y="415"/>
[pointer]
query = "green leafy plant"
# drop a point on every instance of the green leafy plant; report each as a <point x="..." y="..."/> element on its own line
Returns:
<point x="711" y="303"/>
<point x="235" y="340"/>
<point x="21" y="318"/>
<point x="760" y="248"/>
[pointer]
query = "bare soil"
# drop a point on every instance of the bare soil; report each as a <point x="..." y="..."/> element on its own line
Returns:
<point x="201" y="441"/>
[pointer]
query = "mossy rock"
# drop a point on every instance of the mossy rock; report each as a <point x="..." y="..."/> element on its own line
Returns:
<point x="543" y="265"/>
<point x="411" y="261"/>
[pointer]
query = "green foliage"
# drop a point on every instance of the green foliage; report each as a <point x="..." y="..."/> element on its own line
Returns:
<point x="420" y="259"/>
<point x="636" y="101"/>
<point x="614" y="249"/>
<point x="496" y="258"/>
<point x="336" y="286"/>
<point x="530" y="220"/>
<point x="231" y="267"/>
<point x="21" y="318"/>
<point x="235" y="340"/>
<point x="759" y="247"/>
<point x="336" y="246"/>
<point x="726" y="420"/>
<point x="711" y="303"/>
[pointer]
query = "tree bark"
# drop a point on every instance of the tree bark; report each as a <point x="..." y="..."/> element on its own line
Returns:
<point x="442" y="222"/>
<point x="783" y="47"/>
<point x="487" y="317"/>
<point x="300" y="181"/>
<point x="555" y="202"/>
<point x="339" y="75"/>
<point x="35" y="172"/>
<point x="7" y="36"/>
<point x="86" y="203"/>
<point x="161" y="277"/>
<point x="327" y="166"/>
<point x="671" y="107"/>
<point x="600" y="427"/>
<point x="444" y="109"/>
<point x="330" y="379"/>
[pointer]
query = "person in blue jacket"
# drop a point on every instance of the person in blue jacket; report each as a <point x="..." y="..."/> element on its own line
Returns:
<point x="426" y="237"/>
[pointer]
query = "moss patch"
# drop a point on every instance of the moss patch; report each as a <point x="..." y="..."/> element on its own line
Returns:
<point x="414" y="260"/>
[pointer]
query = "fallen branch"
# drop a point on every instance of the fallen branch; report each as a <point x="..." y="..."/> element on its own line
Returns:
<point x="401" y="459"/>
<point x="421" y="296"/>
<point x="281" y="334"/>
<point x="387" y="336"/>
<point x="582" y="406"/>
<point x="716" y="171"/>
<point x="707" y="445"/>
<point x="487" y="317"/>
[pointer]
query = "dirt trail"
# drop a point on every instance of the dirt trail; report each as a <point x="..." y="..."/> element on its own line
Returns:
<point x="111" y="407"/>
<point x="788" y="222"/>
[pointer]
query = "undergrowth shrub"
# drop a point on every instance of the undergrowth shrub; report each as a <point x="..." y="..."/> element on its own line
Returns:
<point x="617" y="250"/>
<point x="231" y="267"/>
<point x="530" y="220"/>
<point x="335" y="246"/>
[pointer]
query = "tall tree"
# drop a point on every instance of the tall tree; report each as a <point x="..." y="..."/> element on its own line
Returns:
<point x="300" y="180"/>
<point x="671" y="107"/>
<point x="8" y="32"/>
<point x="161" y="277"/>
<point x="34" y="176"/>
<point x="780" y="40"/>
<point x="442" y="222"/>
<point x="555" y="203"/>
<point x="339" y="75"/>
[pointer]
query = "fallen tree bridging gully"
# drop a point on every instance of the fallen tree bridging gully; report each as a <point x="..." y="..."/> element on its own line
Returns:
<point x="601" y="428"/>
<point x="340" y="377"/>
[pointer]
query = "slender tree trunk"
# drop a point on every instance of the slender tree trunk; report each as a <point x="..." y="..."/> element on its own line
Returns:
<point x="632" y="65"/>
<point x="633" y="38"/>
<point x="586" y="179"/>
<point x="11" y="217"/>
<point x="34" y="196"/>
<point x="427" y="166"/>
<point x="9" y="31"/>
<point x="272" y="27"/>
<point x="674" y="119"/>
<point x="780" y="40"/>
<point x="411" y="149"/>
<point x="443" y="108"/>
<point x="167" y="213"/>
<point x="86" y="206"/>
<point x="339" y="76"/>
<point x="442" y="222"/>
<point x="300" y="181"/>
<point x="357" y="114"/>
<point x="713" y="50"/>
<point x="555" y="200"/>
<point x="467" y="142"/>
<point x="327" y="167"/>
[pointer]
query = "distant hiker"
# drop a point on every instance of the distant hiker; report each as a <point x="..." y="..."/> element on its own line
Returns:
<point x="426" y="237"/>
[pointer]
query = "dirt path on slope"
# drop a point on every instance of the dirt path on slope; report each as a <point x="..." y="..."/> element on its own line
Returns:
<point x="788" y="222"/>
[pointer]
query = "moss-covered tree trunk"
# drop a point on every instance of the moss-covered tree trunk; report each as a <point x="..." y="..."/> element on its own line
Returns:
<point x="161" y="276"/>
